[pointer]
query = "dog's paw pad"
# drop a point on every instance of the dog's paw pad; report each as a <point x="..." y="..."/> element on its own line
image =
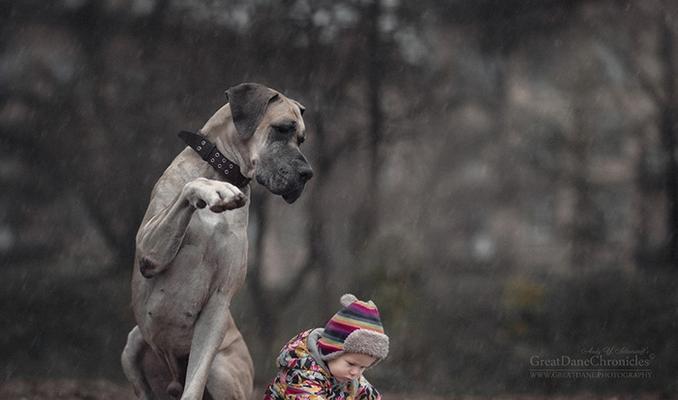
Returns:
<point x="239" y="200"/>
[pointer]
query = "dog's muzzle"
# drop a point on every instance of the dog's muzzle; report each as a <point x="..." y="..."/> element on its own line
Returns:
<point x="305" y="174"/>
<point x="287" y="180"/>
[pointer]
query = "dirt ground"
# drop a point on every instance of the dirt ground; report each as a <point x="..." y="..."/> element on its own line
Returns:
<point x="66" y="389"/>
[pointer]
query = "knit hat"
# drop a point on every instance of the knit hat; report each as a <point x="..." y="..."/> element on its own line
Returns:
<point x="356" y="328"/>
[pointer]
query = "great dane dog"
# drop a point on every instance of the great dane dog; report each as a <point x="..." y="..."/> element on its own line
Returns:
<point x="191" y="248"/>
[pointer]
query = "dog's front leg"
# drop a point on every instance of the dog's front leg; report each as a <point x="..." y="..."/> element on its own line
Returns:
<point x="159" y="238"/>
<point x="210" y="329"/>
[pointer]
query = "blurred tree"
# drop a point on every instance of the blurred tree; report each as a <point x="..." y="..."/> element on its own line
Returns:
<point x="669" y="124"/>
<point x="658" y="20"/>
<point x="586" y="229"/>
<point x="366" y="217"/>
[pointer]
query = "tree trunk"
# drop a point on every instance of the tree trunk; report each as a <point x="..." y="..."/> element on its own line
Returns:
<point x="668" y="134"/>
<point x="366" y="218"/>
<point x="584" y="228"/>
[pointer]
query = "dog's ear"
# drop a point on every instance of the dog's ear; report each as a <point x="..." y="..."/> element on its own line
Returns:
<point x="248" y="103"/>
<point x="301" y="107"/>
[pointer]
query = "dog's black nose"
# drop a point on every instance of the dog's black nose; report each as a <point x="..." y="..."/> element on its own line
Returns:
<point x="306" y="173"/>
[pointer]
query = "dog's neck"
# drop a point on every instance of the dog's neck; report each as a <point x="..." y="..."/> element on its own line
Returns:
<point x="221" y="131"/>
<point x="234" y="150"/>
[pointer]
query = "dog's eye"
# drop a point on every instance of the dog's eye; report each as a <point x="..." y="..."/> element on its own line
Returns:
<point x="286" y="128"/>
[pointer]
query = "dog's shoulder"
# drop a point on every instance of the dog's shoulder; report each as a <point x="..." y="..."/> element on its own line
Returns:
<point x="185" y="167"/>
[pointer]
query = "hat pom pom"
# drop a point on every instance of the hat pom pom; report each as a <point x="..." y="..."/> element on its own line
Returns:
<point x="348" y="299"/>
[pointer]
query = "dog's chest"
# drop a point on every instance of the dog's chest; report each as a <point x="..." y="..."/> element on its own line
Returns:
<point x="216" y="232"/>
<point x="211" y="222"/>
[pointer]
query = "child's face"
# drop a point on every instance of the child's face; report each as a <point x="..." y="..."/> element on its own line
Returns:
<point x="349" y="366"/>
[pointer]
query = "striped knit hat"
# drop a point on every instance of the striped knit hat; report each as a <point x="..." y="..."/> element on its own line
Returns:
<point x="354" y="329"/>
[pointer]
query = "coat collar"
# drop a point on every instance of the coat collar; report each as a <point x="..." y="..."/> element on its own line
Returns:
<point x="312" y="344"/>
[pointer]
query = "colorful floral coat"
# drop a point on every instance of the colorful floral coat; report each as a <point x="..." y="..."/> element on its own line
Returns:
<point x="302" y="375"/>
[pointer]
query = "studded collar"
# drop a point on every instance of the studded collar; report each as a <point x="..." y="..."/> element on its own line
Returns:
<point x="208" y="151"/>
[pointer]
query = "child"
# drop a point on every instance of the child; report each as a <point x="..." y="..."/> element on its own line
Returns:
<point x="327" y="364"/>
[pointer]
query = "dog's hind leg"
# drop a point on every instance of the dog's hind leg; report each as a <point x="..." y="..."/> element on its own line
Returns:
<point x="232" y="372"/>
<point x="209" y="333"/>
<point x="230" y="378"/>
<point x="131" y="359"/>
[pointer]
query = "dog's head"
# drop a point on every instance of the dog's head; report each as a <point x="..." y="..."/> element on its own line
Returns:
<point x="273" y="127"/>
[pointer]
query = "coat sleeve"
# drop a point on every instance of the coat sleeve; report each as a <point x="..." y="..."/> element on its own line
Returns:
<point x="305" y="385"/>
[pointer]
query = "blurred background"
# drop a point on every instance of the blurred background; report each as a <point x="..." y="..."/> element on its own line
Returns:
<point x="499" y="176"/>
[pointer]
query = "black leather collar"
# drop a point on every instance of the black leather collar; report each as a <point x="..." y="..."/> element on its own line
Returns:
<point x="208" y="151"/>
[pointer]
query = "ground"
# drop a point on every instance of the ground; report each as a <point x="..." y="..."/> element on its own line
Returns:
<point x="64" y="389"/>
<point x="68" y="389"/>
